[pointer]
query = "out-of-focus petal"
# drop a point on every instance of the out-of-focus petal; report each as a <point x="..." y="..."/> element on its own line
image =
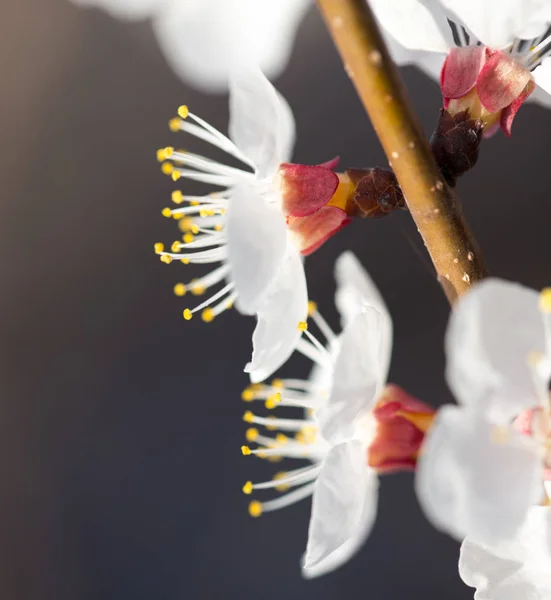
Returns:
<point x="204" y="40"/>
<point x="509" y="112"/>
<point x="344" y="507"/>
<point x="285" y="305"/>
<point x="476" y="479"/>
<point x="257" y="243"/>
<point x="492" y="332"/>
<point x="496" y="23"/>
<point x="542" y="76"/>
<point x="127" y="9"/>
<point x="515" y="569"/>
<point x="357" y="378"/>
<point x="411" y="23"/>
<point x="311" y="232"/>
<point x="355" y="289"/>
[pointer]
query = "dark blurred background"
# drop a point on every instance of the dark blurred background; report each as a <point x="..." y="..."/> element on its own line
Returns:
<point x="121" y="423"/>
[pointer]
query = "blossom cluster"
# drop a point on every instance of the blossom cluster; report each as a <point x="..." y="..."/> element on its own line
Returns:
<point x="482" y="466"/>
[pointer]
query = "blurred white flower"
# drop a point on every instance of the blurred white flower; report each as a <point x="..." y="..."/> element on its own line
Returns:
<point x="515" y="569"/>
<point x="204" y="40"/>
<point x="517" y="27"/>
<point x="270" y="212"/>
<point x="483" y="463"/>
<point x="354" y="427"/>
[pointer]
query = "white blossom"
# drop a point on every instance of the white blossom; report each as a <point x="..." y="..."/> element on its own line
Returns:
<point x="483" y="464"/>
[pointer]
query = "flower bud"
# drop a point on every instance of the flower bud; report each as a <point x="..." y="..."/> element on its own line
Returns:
<point x="455" y="143"/>
<point x="376" y="192"/>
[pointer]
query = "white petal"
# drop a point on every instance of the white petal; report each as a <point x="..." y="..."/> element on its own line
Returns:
<point x="473" y="479"/>
<point x="496" y="23"/>
<point x="412" y="24"/>
<point x="357" y="379"/>
<point x="542" y="76"/>
<point x="492" y="332"/>
<point x="127" y="9"/>
<point x="261" y="122"/>
<point x="285" y="305"/>
<point x="518" y="569"/>
<point x="257" y="243"/>
<point x="204" y="40"/>
<point x="344" y="507"/>
<point x="356" y="289"/>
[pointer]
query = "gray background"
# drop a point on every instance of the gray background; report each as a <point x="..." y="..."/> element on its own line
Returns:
<point x="120" y="423"/>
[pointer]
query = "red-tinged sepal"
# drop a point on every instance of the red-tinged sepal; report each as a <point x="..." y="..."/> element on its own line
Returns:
<point x="401" y="424"/>
<point x="311" y="232"/>
<point x="490" y="84"/>
<point x="509" y="112"/>
<point x="460" y="71"/>
<point x="306" y="189"/>
<point x="330" y="164"/>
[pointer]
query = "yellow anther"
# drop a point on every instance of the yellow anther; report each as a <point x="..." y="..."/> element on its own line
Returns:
<point x="302" y="326"/>
<point x="175" y="246"/>
<point x="207" y="315"/>
<point x="251" y="434"/>
<point x="177" y="197"/>
<point x="183" y="111"/>
<point x="247" y="395"/>
<point x="166" y="212"/>
<point x="312" y="307"/>
<point x="169" y="151"/>
<point x="545" y="300"/>
<point x="283" y="487"/>
<point x="159" y="247"/>
<point x="278" y="384"/>
<point x="184" y="261"/>
<point x="255" y="508"/>
<point x="167" y="168"/>
<point x="180" y="289"/>
<point x="161" y="155"/>
<point x="256" y="387"/>
<point x="281" y="438"/>
<point x="177" y="216"/>
<point x="222" y="211"/>
<point x="197" y="289"/>
<point x="188" y="238"/>
<point x="248" y="417"/>
<point x="194" y="203"/>
<point x="185" y="224"/>
<point x="175" y="175"/>
<point x="300" y="437"/>
<point x="273" y="457"/>
<point x="194" y="228"/>
<point x="245" y="450"/>
<point x="187" y="314"/>
<point x="174" y="124"/>
<point x="273" y="401"/>
<point x="248" y="488"/>
<point x="218" y="227"/>
<point x="165" y="258"/>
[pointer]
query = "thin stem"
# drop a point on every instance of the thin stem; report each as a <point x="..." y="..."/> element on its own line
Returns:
<point x="433" y="206"/>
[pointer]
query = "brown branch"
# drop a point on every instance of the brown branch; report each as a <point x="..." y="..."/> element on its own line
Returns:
<point x="432" y="204"/>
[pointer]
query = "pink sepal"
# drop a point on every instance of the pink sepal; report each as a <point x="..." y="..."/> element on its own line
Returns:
<point x="509" y="112"/>
<point x="396" y="444"/>
<point x="312" y="231"/>
<point x="330" y="164"/>
<point x="501" y="81"/>
<point x="460" y="71"/>
<point x="305" y="189"/>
